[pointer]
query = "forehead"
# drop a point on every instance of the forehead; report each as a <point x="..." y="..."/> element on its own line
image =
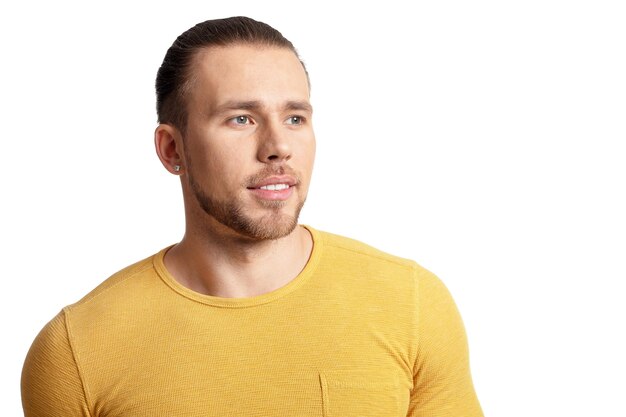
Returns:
<point x="247" y="72"/>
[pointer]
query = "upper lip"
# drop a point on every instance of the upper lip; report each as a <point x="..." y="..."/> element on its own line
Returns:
<point x="276" y="179"/>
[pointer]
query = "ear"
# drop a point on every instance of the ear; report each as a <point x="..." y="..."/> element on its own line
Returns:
<point x="169" y="148"/>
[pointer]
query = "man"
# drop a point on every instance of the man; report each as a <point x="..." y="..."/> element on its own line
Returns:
<point x="250" y="314"/>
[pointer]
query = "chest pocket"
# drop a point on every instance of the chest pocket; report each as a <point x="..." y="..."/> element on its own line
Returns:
<point x="359" y="394"/>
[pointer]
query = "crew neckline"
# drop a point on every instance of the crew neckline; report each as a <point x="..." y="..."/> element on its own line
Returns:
<point x="286" y="289"/>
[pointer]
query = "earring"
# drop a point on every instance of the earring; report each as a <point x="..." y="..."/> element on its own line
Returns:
<point x="176" y="168"/>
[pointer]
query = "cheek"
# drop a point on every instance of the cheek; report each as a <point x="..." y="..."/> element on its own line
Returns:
<point x="304" y="143"/>
<point x="313" y="149"/>
<point x="308" y="153"/>
<point x="226" y="169"/>
<point x="220" y="163"/>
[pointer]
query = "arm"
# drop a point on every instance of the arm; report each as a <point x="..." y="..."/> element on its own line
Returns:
<point x="51" y="383"/>
<point x="441" y="374"/>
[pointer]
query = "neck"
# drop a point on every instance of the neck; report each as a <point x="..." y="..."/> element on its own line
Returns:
<point x="223" y="264"/>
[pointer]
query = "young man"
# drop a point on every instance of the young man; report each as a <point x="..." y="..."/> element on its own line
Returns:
<point x="250" y="314"/>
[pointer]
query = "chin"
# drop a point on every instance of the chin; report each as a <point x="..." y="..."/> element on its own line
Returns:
<point x="272" y="230"/>
<point x="272" y="224"/>
<point x="268" y="227"/>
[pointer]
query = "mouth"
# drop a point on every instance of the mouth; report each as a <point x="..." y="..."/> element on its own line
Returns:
<point x="277" y="188"/>
<point x="274" y="187"/>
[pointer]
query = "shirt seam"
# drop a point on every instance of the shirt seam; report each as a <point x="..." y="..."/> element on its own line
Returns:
<point x="70" y="340"/>
<point x="417" y="323"/>
<point x="406" y="263"/>
<point x="418" y="273"/>
<point x="121" y="281"/>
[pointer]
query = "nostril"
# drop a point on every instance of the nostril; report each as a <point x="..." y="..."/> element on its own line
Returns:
<point x="272" y="157"/>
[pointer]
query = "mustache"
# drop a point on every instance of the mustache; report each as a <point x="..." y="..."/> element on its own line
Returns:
<point x="270" y="171"/>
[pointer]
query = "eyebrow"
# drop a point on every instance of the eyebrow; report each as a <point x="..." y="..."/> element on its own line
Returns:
<point x="256" y="105"/>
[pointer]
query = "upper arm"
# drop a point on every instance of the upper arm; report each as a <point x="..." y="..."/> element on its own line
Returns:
<point x="51" y="383"/>
<point x="442" y="381"/>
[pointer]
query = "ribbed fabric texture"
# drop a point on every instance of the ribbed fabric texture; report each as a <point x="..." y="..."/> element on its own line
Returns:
<point x="357" y="333"/>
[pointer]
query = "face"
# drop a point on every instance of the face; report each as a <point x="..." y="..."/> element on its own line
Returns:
<point x="249" y="144"/>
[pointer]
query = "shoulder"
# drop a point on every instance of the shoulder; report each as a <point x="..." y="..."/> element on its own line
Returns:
<point x="51" y="341"/>
<point x="51" y="382"/>
<point x="341" y="247"/>
<point x="57" y="335"/>
<point x="119" y="287"/>
<point x="352" y="257"/>
<point x="115" y="304"/>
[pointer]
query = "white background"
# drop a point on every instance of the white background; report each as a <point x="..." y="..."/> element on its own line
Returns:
<point x="484" y="139"/>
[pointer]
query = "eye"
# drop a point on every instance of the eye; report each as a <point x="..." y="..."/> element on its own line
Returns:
<point x="241" y="120"/>
<point x="295" y="120"/>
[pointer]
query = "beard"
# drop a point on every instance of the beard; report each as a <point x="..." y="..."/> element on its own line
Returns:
<point x="231" y="213"/>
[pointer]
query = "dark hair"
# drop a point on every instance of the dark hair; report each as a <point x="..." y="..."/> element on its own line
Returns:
<point x="174" y="76"/>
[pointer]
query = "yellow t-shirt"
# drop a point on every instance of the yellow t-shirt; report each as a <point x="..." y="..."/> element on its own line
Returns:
<point x="357" y="333"/>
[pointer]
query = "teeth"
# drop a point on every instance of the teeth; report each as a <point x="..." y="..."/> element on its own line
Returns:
<point x="275" y="187"/>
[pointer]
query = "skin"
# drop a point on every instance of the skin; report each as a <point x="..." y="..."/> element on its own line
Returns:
<point x="249" y="123"/>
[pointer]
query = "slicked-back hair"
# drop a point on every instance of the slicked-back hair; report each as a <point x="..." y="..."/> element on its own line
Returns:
<point x="174" y="77"/>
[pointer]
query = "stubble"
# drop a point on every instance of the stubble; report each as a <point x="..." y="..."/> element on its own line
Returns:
<point x="273" y="225"/>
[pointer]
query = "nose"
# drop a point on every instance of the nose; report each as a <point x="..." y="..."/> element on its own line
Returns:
<point x="274" y="145"/>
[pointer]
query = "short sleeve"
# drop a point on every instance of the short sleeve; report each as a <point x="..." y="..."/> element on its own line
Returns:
<point x="442" y="381"/>
<point x="51" y="383"/>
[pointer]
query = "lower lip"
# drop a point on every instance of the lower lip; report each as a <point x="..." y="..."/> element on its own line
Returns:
<point x="278" y="195"/>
